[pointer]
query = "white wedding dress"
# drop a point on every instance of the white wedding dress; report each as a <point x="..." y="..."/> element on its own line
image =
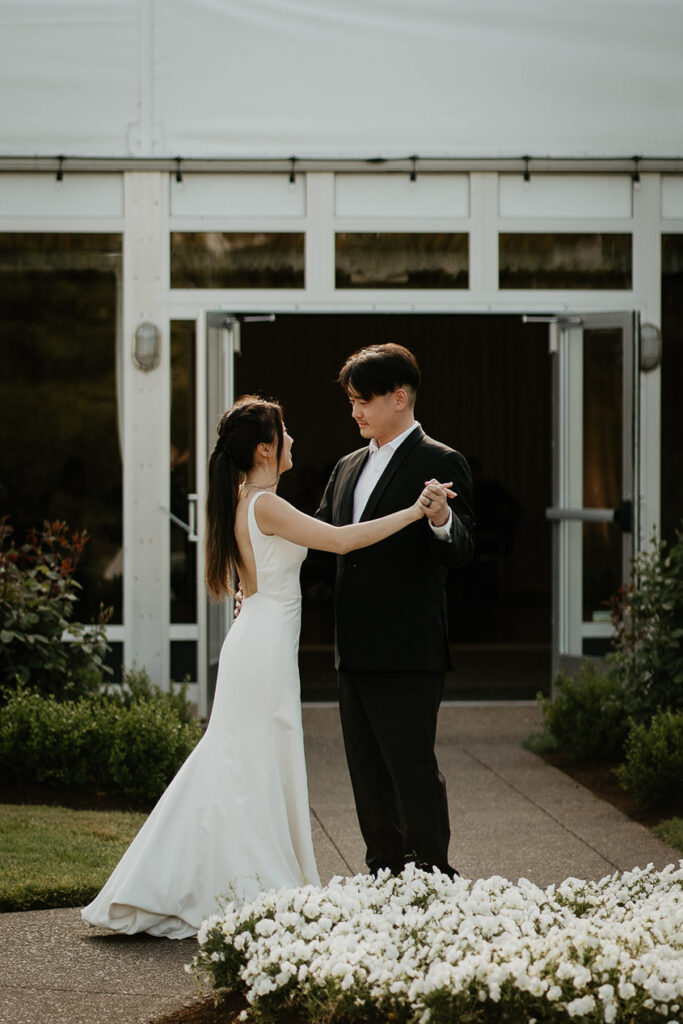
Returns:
<point x="235" y="819"/>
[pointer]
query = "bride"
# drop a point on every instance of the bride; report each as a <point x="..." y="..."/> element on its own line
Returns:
<point x="235" y="819"/>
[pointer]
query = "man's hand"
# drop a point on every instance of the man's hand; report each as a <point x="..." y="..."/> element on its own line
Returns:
<point x="437" y="511"/>
<point x="238" y="598"/>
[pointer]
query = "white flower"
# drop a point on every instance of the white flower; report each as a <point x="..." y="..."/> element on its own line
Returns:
<point x="581" y="1007"/>
<point x="610" y="1012"/>
<point x="411" y="937"/>
<point x="265" y="927"/>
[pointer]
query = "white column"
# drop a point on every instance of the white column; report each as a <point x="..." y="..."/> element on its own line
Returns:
<point x="320" y="254"/>
<point x="484" y="236"/>
<point x="146" y="430"/>
<point x="647" y="286"/>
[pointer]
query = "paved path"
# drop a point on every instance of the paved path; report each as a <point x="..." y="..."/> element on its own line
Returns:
<point x="511" y="814"/>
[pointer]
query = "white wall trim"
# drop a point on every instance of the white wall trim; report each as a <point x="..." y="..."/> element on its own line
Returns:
<point x="647" y="279"/>
<point x="146" y="432"/>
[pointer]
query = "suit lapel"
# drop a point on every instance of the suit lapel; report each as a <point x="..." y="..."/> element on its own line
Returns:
<point x="348" y="485"/>
<point x="395" y="463"/>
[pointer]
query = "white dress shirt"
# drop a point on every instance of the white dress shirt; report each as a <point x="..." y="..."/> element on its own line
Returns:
<point x="375" y="464"/>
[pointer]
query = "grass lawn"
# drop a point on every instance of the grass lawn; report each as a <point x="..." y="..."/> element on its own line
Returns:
<point x="58" y="857"/>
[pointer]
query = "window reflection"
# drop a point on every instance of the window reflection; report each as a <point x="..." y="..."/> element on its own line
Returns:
<point x="183" y="472"/>
<point x="183" y="661"/>
<point x="60" y="450"/>
<point x="602" y="467"/>
<point x="538" y="260"/>
<point x="220" y="259"/>
<point x="401" y="260"/>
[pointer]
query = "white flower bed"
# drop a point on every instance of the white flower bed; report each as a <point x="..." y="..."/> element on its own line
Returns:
<point x="421" y="947"/>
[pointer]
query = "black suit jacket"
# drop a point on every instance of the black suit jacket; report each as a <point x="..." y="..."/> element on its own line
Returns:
<point x="390" y="604"/>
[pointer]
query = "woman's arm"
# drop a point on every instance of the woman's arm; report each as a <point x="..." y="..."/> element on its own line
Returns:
<point x="274" y="515"/>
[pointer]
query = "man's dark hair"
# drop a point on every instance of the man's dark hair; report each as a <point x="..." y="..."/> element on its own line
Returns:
<point x="379" y="369"/>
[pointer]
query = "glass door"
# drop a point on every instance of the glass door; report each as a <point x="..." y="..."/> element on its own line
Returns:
<point x="595" y="470"/>
<point x="202" y="387"/>
<point x="202" y="373"/>
<point x="222" y="344"/>
<point x="184" y="459"/>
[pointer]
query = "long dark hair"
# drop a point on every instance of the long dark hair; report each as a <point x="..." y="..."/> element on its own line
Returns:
<point x="249" y="422"/>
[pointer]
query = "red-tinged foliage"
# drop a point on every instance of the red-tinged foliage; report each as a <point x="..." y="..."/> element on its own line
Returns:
<point x="38" y="593"/>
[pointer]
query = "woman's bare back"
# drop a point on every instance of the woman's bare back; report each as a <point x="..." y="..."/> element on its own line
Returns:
<point x="247" y="565"/>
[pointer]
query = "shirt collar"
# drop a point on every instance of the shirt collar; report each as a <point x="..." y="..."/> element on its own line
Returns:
<point x="392" y="445"/>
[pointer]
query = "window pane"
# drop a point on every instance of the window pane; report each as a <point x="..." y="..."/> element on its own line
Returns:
<point x="672" y="375"/>
<point x="184" y="661"/>
<point x="219" y="259"/>
<point x="114" y="659"/>
<point x="60" y="428"/>
<point x="602" y="418"/>
<point x="401" y="260"/>
<point x="183" y="471"/>
<point x="564" y="261"/>
<point x="602" y="467"/>
<point x="602" y="568"/>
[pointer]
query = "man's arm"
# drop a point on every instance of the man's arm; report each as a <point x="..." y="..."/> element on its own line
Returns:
<point x="457" y="546"/>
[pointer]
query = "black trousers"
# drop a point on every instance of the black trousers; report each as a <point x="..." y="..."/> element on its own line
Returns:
<point x="389" y="725"/>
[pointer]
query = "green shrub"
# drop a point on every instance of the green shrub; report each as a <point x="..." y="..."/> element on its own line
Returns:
<point x="670" y="831"/>
<point x="648" y="622"/>
<point x="149" y="745"/>
<point x="136" y="686"/>
<point x="38" y="593"/>
<point x="652" y="771"/>
<point x="43" y="740"/>
<point x="108" y="741"/>
<point x="587" y="716"/>
<point x="541" y="743"/>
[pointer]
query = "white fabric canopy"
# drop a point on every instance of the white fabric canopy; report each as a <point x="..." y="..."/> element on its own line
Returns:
<point x="341" y="78"/>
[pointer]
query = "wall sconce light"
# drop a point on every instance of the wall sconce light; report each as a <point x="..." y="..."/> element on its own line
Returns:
<point x="650" y="347"/>
<point x="147" y="348"/>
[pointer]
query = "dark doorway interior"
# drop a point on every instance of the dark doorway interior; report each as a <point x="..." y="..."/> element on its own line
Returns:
<point x="485" y="391"/>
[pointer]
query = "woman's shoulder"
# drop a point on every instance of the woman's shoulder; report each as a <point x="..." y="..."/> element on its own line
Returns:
<point x="267" y="504"/>
<point x="249" y="500"/>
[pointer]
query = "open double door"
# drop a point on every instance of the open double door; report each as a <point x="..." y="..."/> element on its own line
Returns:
<point x="594" y="511"/>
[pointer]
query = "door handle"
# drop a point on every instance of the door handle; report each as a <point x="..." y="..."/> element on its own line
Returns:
<point x="622" y="516"/>
<point x="190" y="528"/>
<point x="584" y="515"/>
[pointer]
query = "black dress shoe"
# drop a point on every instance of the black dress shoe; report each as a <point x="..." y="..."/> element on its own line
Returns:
<point x="395" y="868"/>
<point x="445" y="869"/>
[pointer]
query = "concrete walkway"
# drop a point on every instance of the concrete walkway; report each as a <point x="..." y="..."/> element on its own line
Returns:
<point x="511" y="814"/>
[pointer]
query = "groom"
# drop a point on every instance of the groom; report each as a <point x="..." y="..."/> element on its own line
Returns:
<point x="390" y="608"/>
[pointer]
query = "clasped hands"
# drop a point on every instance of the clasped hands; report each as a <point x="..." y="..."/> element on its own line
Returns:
<point x="434" y="499"/>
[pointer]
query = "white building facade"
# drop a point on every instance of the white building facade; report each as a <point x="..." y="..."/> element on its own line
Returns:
<point x="199" y="199"/>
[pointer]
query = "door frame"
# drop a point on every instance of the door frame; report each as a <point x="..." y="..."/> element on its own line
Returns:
<point x="567" y="513"/>
<point x="210" y="317"/>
